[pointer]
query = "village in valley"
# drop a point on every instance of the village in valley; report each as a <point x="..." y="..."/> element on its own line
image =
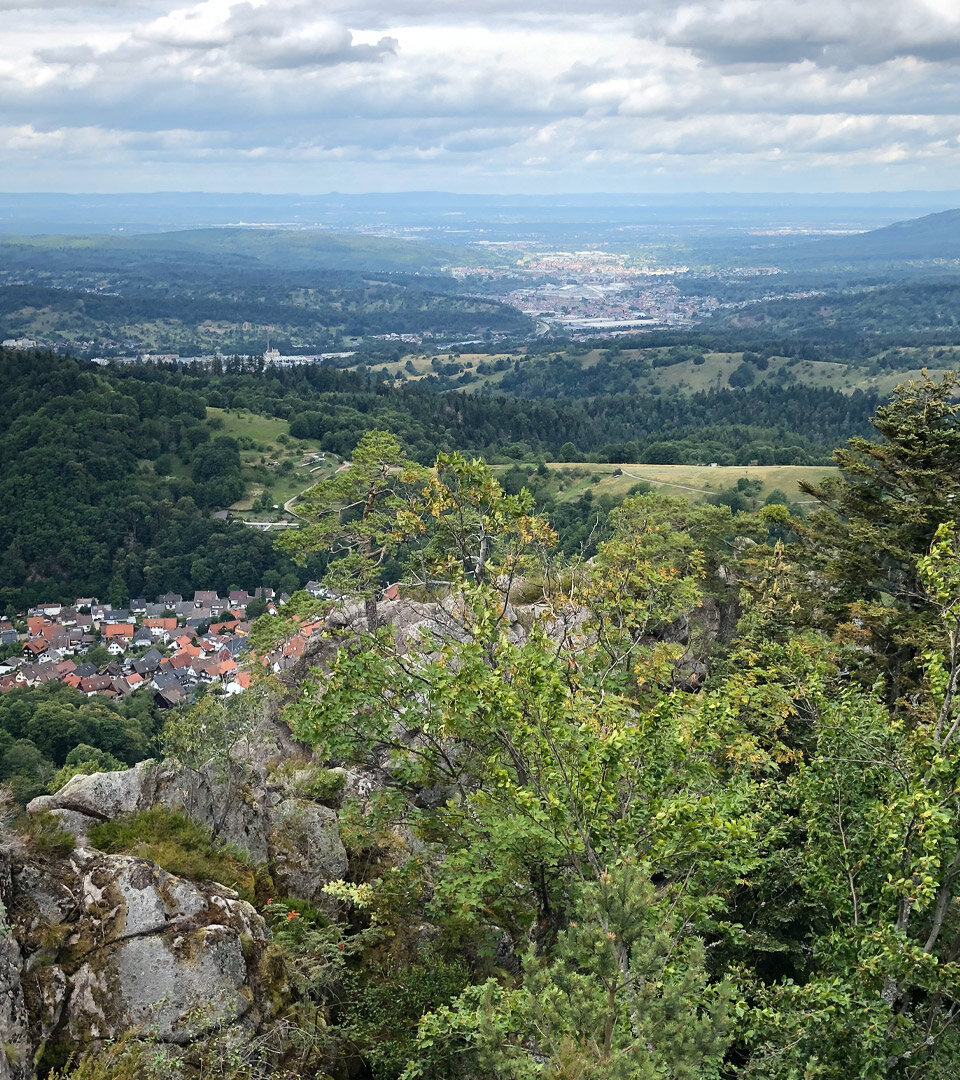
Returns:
<point x="175" y="648"/>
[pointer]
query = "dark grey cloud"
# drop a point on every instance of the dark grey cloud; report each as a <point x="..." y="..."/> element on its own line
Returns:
<point x="841" y="35"/>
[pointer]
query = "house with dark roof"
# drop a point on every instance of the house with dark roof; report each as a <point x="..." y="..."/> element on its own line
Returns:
<point x="170" y="697"/>
<point x="96" y="684"/>
<point x="36" y="647"/>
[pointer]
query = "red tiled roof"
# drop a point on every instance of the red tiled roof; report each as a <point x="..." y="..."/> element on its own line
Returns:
<point x="295" y="646"/>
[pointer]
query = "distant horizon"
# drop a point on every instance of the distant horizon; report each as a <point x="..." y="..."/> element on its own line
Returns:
<point x="456" y="217"/>
<point x="525" y="195"/>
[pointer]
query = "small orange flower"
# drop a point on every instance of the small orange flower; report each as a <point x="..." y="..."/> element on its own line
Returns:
<point x="292" y="915"/>
<point x="269" y="899"/>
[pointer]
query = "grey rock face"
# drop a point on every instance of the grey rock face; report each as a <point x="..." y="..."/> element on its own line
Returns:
<point x="112" y="941"/>
<point x="298" y="836"/>
<point x="16" y="1058"/>
<point x="103" y="796"/>
<point x="306" y="846"/>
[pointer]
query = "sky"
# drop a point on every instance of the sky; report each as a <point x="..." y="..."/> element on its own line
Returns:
<point x="485" y="96"/>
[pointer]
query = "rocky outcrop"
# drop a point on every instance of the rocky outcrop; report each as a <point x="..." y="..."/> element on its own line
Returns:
<point x="305" y="848"/>
<point x="110" y="942"/>
<point x="17" y="1056"/>
<point x="298" y="838"/>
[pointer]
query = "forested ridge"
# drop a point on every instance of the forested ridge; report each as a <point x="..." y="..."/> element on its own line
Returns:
<point x="791" y="426"/>
<point x="87" y="512"/>
<point x="193" y="314"/>
<point x="110" y="475"/>
<point x="892" y="313"/>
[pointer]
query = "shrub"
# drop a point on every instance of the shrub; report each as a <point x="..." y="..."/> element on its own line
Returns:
<point x="47" y="836"/>
<point x="179" y="846"/>
<point x="325" y="786"/>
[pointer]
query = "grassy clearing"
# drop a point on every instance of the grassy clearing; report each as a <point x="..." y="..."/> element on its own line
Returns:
<point x="688" y="377"/>
<point x="272" y="459"/>
<point x="692" y="482"/>
<point x="422" y="365"/>
<point x="178" y="846"/>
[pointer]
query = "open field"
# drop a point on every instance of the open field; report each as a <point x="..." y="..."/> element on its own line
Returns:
<point x="271" y="458"/>
<point x="693" y="482"/>
<point x="689" y="377"/>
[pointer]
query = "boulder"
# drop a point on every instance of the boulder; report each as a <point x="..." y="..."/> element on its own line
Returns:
<point x="307" y="852"/>
<point x="103" y="796"/>
<point x="246" y="810"/>
<point x="113" y="941"/>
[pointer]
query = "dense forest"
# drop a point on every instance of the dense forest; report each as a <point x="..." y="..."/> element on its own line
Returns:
<point x="48" y="732"/>
<point x="798" y="426"/>
<point x="111" y="474"/>
<point x="194" y="314"/>
<point x="899" y="313"/>
<point x="87" y="509"/>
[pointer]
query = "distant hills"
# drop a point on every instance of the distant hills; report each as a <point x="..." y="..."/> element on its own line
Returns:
<point x="924" y="239"/>
<point x="200" y="291"/>
<point x="231" y="247"/>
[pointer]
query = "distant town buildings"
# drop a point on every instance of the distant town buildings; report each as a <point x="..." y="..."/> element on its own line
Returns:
<point x="170" y="647"/>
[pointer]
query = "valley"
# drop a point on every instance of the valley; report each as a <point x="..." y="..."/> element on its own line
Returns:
<point x="520" y="649"/>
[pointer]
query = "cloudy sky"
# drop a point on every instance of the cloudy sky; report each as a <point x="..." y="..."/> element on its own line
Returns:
<point x="480" y="96"/>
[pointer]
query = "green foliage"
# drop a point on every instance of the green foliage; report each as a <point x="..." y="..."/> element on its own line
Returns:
<point x="792" y="819"/>
<point x="325" y="786"/>
<point x="43" y="729"/>
<point x="129" y="1057"/>
<point x="879" y="516"/>
<point x="523" y="716"/>
<point x="464" y="527"/>
<point x="744" y="375"/>
<point x="91" y="518"/>
<point x="624" y="995"/>
<point x="46" y="836"/>
<point x="179" y="846"/>
<point x="385" y="1003"/>
<point x="353" y="515"/>
<point x="83" y="761"/>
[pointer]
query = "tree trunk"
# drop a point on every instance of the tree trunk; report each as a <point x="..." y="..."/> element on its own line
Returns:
<point x="370" y="609"/>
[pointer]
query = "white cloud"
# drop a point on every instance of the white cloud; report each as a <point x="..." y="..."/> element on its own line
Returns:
<point x="483" y="90"/>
